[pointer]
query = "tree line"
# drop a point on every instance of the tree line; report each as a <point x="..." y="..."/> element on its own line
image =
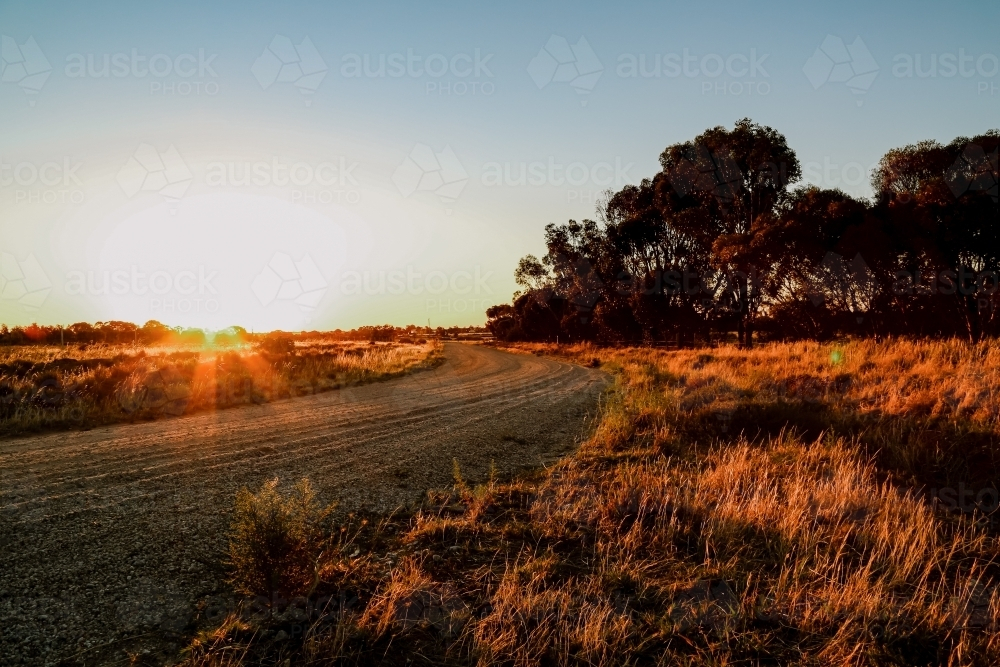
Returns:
<point x="114" y="332"/>
<point x="724" y="239"/>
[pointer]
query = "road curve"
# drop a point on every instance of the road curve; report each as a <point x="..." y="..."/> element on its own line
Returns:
<point x="109" y="538"/>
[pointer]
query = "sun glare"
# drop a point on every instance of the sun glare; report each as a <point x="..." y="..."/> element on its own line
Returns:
<point x="213" y="261"/>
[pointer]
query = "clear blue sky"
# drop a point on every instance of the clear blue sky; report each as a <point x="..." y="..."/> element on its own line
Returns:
<point x="394" y="193"/>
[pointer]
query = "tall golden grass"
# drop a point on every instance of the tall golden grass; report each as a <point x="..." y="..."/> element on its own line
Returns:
<point x="730" y="507"/>
<point x="51" y="387"/>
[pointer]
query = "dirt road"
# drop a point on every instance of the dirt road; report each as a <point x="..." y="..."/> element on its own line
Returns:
<point x="110" y="538"/>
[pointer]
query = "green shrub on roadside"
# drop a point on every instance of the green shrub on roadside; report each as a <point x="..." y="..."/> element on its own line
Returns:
<point x="276" y="542"/>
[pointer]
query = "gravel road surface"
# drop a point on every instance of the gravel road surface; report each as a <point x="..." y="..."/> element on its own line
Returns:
<point x="111" y="538"/>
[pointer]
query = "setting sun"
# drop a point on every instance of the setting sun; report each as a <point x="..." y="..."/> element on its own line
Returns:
<point x="202" y="258"/>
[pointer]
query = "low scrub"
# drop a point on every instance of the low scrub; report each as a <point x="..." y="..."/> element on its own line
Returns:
<point x="52" y="387"/>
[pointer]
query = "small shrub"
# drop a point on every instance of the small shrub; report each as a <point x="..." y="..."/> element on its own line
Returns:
<point x="276" y="542"/>
<point x="278" y="344"/>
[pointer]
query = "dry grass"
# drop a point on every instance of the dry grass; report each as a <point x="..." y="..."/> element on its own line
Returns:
<point x="928" y="412"/>
<point x="730" y="508"/>
<point x="43" y="387"/>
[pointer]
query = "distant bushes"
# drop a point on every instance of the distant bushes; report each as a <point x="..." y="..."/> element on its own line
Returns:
<point x="107" y="333"/>
<point x="86" y="390"/>
<point x="155" y="333"/>
<point x="46" y="387"/>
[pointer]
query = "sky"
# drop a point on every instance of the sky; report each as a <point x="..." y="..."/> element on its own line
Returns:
<point x="329" y="165"/>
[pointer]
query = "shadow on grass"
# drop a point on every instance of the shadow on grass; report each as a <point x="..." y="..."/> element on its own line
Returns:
<point x="925" y="453"/>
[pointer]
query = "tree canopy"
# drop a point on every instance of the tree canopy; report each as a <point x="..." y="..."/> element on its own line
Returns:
<point x="725" y="238"/>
